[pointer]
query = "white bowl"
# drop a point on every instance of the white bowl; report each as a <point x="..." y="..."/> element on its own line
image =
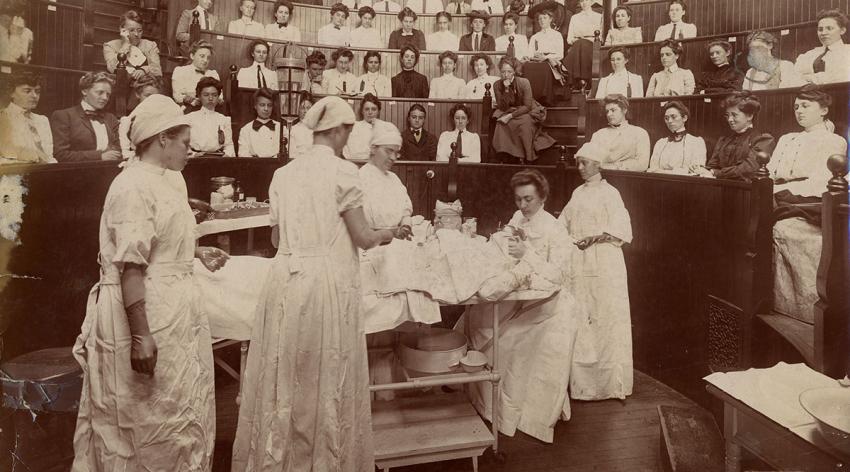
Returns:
<point x="830" y="406"/>
<point x="473" y="361"/>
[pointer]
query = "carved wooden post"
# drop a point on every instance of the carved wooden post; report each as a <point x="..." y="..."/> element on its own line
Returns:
<point x="837" y="165"/>
<point x="762" y="158"/>
<point x="122" y="85"/>
<point x="194" y="28"/>
<point x="487" y="121"/>
<point x="452" y="184"/>
<point x="594" y="68"/>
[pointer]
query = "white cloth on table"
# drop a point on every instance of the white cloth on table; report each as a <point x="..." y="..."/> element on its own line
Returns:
<point x="300" y="139"/>
<point x="205" y="127"/>
<point x="285" y="33"/>
<point x="470" y="149"/>
<point x="619" y="82"/>
<point x="229" y="296"/>
<point x="442" y="41"/>
<point x="367" y="38"/>
<point x="836" y="62"/>
<point x="447" y="87"/>
<point x="677" y="157"/>
<point x="803" y="155"/>
<point x="602" y="360"/>
<point x="521" y="49"/>
<point x="126" y="420"/>
<point x="797" y="246"/>
<point x="330" y="35"/>
<point x="247" y="77"/>
<point x="244" y="27"/>
<point x="260" y="143"/>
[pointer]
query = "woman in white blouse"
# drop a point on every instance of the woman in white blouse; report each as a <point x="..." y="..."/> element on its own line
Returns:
<point x="678" y="152"/>
<point x="373" y="81"/>
<point x="672" y="80"/>
<point x="447" y="85"/>
<point x="340" y="80"/>
<point x="583" y="27"/>
<point x="520" y="42"/>
<point x="767" y="72"/>
<point x="299" y="136"/>
<point x="257" y="75"/>
<point x="468" y="143"/>
<point x="677" y="28"/>
<point x="443" y="39"/>
<point x="357" y="146"/>
<point x="281" y="30"/>
<point x="366" y="35"/>
<point x="245" y="24"/>
<point x="798" y="163"/>
<point x="475" y="88"/>
<point x="622" y="33"/>
<point x="547" y="50"/>
<point x="620" y="81"/>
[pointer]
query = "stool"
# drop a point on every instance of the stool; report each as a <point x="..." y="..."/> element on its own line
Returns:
<point x="41" y="390"/>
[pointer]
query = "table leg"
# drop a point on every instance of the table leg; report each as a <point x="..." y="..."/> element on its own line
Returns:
<point x="734" y="454"/>
<point x="250" y="245"/>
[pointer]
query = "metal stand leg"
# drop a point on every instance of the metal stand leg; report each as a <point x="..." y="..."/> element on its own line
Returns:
<point x="474" y="463"/>
<point x="495" y="409"/>
<point x="243" y="360"/>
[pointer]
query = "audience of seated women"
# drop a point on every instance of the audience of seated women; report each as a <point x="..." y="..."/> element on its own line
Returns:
<point x="425" y="6"/>
<point x="25" y="137"/>
<point x="417" y="143"/>
<point x="621" y="32"/>
<point x="672" y="80"/>
<point x="144" y="88"/>
<point x="829" y="62"/>
<point x="314" y="76"/>
<point x="245" y="24"/>
<point x="515" y="129"/>
<point x="340" y="80"/>
<point x="475" y="88"/>
<point x="547" y="50"/>
<point x="357" y="146"/>
<point x="579" y="58"/>
<point x="408" y="83"/>
<point x="260" y="137"/>
<point x="366" y="35"/>
<point x="468" y="143"/>
<point x="85" y="132"/>
<point x="407" y="35"/>
<point x="372" y="81"/>
<point x="626" y="146"/>
<point x="721" y="76"/>
<point x="798" y="164"/>
<point x="336" y="33"/>
<point x="767" y="72"/>
<point x="681" y="151"/>
<point x="257" y="75"/>
<point x="620" y="81"/>
<point x="281" y="30"/>
<point x="512" y="43"/>
<point x="184" y="79"/>
<point x="354" y="5"/>
<point x="492" y="7"/>
<point x="676" y="29"/>
<point x="387" y="6"/>
<point x="477" y="39"/>
<point x="443" y="39"/>
<point x="211" y="131"/>
<point x="458" y="7"/>
<point x="142" y="54"/>
<point x="447" y="86"/>
<point x="299" y="136"/>
<point x="734" y="155"/>
<point x="206" y="20"/>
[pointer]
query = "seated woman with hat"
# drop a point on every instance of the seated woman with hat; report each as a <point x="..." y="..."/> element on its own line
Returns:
<point x="546" y="48"/>
<point x="477" y="39"/>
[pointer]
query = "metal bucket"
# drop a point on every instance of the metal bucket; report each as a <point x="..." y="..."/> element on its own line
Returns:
<point x="433" y="350"/>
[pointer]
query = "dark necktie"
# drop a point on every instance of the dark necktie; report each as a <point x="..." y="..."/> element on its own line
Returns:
<point x="355" y="5"/>
<point x="337" y="27"/>
<point x="417" y="134"/>
<point x="673" y="33"/>
<point x="261" y="79"/>
<point x="511" y="48"/>
<point x="202" y="72"/>
<point x="677" y="136"/>
<point x="628" y="86"/>
<point x="819" y="65"/>
<point x="387" y="5"/>
<point x="459" y="148"/>
<point x="477" y="44"/>
<point x="259" y="124"/>
<point x="363" y="85"/>
<point x="206" y="20"/>
<point x="457" y="10"/>
<point x="94" y="116"/>
<point x="281" y="25"/>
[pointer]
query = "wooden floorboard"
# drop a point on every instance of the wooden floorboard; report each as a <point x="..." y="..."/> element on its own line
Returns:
<point x="601" y="436"/>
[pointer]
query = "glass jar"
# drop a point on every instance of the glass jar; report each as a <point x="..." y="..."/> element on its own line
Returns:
<point x="221" y="190"/>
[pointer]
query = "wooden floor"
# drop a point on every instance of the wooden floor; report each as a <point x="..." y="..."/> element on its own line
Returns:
<point x="601" y="436"/>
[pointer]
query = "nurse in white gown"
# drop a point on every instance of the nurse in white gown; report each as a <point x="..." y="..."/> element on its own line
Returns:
<point x="535" y="348"/>
<point x="597" y="220"/>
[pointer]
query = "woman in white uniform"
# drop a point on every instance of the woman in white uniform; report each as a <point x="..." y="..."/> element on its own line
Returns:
<point x="148" y="395"/>
<point x="305" y="401"/>
<point x="598" y="221"/>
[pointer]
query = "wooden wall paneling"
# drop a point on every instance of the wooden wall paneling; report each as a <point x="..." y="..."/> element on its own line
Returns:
<point x="57" y="33"/>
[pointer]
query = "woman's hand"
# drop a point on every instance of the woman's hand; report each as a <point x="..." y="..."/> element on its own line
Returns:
<point x="585" y="243"/>
<point x="212" y="258"/>
<point x="143" y="353"/>
<point x="404" y="232"/>
<point x="516" y="248"/>
<point x="701" y="171"/>
<point x="137" y="74"/>
<point x="504" y="119"/>
<point x="539" y="57"/>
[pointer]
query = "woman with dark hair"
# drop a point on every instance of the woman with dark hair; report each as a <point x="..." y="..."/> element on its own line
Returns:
<point x="336" y="33"/>
<point x="734" y="155"/>
<point x="372" y="81"/>
<point x="620" y="81"/>
<point x="798" y="164"/>
<point x="515" y="129"/>
<point x="672" y="80"/>
<point x="245" y="24"/>
<point x="447" y="85"/>
<point x="184" y="79"/>
<point x="366" y="35"/>
<point x="85" y="132"/>
<point x="476" y="87"/>
<point x="443" y="39"/>
<point x="681" y="151"/>
<point x="723" y="76"/>
<point x="25" y="136"/>
<point x="512" y="43"/>
<point x="142" y="54"/>
<point x="417" y="143"/>
<point x="408" y="83"/>
<point x="621" y="32"/>
<point x="340" y="80"/>
<point x="257" y="75"/>
<point x="407" y="35"/>
<point x="357" y="146"/>
<point x="579" y="58"/>
<point x="300" y="136"/>
<point x="625" y="146"/>
<point x="468" y="143"/>
<point x="314" y="76"/>
<point x="281" y="29"/>
<point x="157" y="374"/>
<point x="767" y="72"/>
<point x="676" y="29"/>
<point x="830" y="62"/>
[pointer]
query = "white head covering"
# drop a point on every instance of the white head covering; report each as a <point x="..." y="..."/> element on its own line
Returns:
<point x="328" y="113"/>
<point x="590" y="151"/>
<point x="385" y="134"/>
<point x="154" y="115"/>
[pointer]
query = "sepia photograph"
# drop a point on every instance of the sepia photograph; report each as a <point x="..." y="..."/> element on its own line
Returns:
<point x="424" y="236"/>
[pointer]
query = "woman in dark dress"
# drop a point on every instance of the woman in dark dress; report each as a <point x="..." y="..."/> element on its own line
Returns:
<point x="721" y="76"/>
<point x="408" y="83"/>
<point x="515" y="128"/>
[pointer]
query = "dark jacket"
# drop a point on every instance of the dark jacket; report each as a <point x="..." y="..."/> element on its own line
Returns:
<point x="720" y="79"/>
<point x="397" y="41"/>
<point x="734" y="155"/>
<point x="424" y="150"/>
<point x="410" y="84"/>
<point x="73" y="135"/>
<point x="488" y="43"/>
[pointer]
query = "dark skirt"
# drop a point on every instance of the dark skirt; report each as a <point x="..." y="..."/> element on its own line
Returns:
<point x="516" y="137"/>
<point x="579" y="59"/>
<point x="543" y="83"/>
